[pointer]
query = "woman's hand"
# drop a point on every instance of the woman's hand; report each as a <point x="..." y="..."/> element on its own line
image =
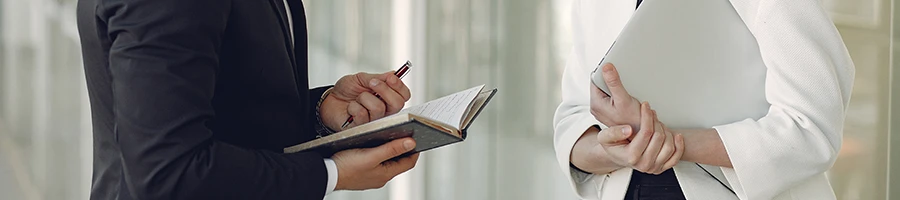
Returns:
<point x="619" y="108"/>
<point x="653" y="150"/>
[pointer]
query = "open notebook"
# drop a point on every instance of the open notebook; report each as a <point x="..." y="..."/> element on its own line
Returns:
<point x="433" y="124"/>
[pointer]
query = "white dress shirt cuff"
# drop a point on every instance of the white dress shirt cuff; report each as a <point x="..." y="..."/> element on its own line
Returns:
<point x="332" y="175"/>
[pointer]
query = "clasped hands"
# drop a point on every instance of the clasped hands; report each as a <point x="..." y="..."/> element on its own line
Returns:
<point x="367" y="97"/>
<point x="635" y="137"/>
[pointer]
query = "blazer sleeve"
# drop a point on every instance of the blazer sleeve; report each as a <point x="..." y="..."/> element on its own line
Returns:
<point x="315" y="95"/>
<point x="163" y="61"/>
<point x="573" y="117"/>
<point x="809" y="79"/>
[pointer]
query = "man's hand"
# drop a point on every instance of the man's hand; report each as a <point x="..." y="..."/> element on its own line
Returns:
<point x="618" y="108"/>
<point x="361" y="169"/>
<point x="355" y="95"/>
<point x="653" y="149"/>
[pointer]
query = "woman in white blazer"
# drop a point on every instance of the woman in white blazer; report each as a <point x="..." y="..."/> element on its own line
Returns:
<point x="783" y="155"/>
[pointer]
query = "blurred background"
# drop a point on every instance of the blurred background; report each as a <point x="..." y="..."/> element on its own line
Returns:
<point x="516" y="46"/>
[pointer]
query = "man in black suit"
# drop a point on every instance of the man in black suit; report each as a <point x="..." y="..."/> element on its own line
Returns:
<point x="195" y="100"/>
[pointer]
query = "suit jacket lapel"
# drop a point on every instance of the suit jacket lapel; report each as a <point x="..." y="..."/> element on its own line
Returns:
<point x="278" y="7"/>
<point x="299" y="54"/>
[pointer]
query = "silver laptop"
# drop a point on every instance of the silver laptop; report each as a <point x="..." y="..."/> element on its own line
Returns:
<point x="695" y="61"/>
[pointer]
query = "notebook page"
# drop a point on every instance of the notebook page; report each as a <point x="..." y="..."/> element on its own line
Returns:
<point x="449" y="109"/>
<point x="476" y="104"/>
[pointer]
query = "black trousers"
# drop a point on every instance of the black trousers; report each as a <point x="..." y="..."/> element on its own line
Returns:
<point x="654" y="187"/>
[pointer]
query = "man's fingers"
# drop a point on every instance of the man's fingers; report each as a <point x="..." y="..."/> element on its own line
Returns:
<point x="401" y="165"/>
<point x="364" y="78"/>
<point x="614" y="83"/>
<point x="360" y="81"/>
<point x="393" y="81"/>
<point x="397" y="85"/>
<point x="614" y="134"/>
<point x="373" y="104"/>
<point x="359" y="113"/>
<point x="392" y="100"/>
<point x="392" y="149"/>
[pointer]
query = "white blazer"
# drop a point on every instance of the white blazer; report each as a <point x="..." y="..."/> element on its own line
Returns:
<point x="783" y="155"/>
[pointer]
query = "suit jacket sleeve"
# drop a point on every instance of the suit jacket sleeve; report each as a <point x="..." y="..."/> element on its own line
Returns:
<point x="315" y="95"/>
<point x="808" y="83"/>
<point x="163" y="64"/>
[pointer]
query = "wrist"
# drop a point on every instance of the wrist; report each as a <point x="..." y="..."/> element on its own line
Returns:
<point x="331" y="112"/>
<point x="341" y="179"/>
<point x="323" y="128"/>
<point x="601" y="163"/>
<point x="589" y="156"/>
<point x="704" y="146"/>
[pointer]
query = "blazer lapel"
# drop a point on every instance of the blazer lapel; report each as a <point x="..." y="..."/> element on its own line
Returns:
<point x="278" y="7"/>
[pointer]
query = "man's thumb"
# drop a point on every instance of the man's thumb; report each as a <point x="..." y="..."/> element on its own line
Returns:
<point x="366" y="78"/>
<point x="393" y="149"/>
<point x="614" y="134"/>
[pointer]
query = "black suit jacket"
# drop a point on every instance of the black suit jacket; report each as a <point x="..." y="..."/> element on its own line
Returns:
<point x="194" y="99"/>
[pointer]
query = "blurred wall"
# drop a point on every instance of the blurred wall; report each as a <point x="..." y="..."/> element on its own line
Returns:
<point x="861" y="169"/>
<point x="44" y="131"/>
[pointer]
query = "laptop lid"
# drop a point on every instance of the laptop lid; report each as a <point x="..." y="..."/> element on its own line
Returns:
<point x="695" y="61"/>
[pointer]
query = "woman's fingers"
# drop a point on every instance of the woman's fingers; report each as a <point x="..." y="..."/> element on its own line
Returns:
<point x="601" y="106"/>
<point x="639" y="144"/>
<point x="667" y="149"/>
<point x="599" y="94"/>
<point x="679" y="151"/>
<point x="614" y="83"/>
<point x="648" y="159"/>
